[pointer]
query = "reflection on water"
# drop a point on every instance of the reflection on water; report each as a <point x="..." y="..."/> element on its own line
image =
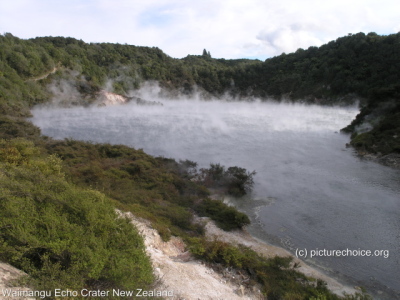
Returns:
<point x="317" y="193"/>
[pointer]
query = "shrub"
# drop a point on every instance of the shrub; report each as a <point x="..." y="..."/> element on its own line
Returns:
<point x="226" y="217"/>
<point x="235" y="181"/>
<point x="277" y="277"/>
<point x="62" y="235"/>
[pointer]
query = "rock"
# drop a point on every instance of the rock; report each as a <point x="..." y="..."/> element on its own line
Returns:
<point x="105" y="98"/>
<point x="140" y="101"/>
<point x="8" y="275"/>
<point x="241" y="290"/>
<point x="390" y="160"/>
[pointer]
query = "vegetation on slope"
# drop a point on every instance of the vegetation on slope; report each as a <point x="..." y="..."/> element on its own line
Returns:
<point x="63" y="232"/>
<point x="278" y="277"/>
<point x="377" y="128"/>
<point x="233" y="181"/>
<point x="62" y="235"/>
<point x="157" y="189"/>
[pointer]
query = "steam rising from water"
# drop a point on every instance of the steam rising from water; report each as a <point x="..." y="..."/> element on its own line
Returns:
<point x="324" y="197"/>
<point x="232" y="133"/>
<point x="177" y="124"/>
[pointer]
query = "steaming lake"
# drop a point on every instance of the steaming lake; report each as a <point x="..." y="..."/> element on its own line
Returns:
<point x="310" y="190"/>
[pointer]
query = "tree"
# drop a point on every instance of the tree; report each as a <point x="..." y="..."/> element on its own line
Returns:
<point x="237" y="181"/>
<point x="206" y="53"/>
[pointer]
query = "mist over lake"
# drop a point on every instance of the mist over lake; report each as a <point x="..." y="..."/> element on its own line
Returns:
<point x="310" y="190"/>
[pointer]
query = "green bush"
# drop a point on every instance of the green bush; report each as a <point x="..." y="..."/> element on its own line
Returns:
<point x="226" y="217"/>
<point x="277" y="276"/>
<point x="61" y="235"/>
<point x="235" y="181"/>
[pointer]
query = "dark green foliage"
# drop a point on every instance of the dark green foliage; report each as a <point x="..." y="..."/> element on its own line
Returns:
<point x="382" y="123"/>
<point x="239" y="181"/>
<point x="382" y="139"/>
<point x="226" y="217"/>
<point x="353" y="67"/>
<point x="206" y="54"/>
<point x="11" y="127"/>
<point x="158" y="189"/>
<point x="235" y="180"/>
<point x="215" y="173"/>
<point x="361" y="64"/>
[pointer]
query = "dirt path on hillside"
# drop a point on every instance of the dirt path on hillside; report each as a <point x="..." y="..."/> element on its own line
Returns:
<point x="45" y="75"/>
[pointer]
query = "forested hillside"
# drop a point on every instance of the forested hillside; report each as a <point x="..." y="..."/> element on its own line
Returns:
<point x="355" y="67"/>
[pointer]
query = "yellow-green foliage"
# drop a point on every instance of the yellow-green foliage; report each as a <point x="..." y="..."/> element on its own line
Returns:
<point x="62" y="235"/>
<point x="17" y="151"/>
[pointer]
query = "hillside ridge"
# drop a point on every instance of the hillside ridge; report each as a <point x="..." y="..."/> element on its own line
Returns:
<point x="355" y="68"/>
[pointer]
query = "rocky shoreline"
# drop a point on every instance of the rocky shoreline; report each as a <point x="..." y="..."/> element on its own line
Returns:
<point x="390" y="160"/>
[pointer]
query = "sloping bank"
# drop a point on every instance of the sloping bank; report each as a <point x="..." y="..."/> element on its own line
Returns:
<point x="179" y="271"/>
<point x="181" y="275"/>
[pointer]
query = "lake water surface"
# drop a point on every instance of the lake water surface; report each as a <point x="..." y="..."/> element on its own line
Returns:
<point x="311" y="192"/>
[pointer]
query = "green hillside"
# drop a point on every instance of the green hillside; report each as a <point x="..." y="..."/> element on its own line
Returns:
<point x="355" y="67"/>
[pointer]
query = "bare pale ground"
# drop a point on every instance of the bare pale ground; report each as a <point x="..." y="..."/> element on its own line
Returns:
<point x="243" y="237"/>
<point x="187" y="278"/>
<point x="106" y="99"/>
<point x="8" y="275"/>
